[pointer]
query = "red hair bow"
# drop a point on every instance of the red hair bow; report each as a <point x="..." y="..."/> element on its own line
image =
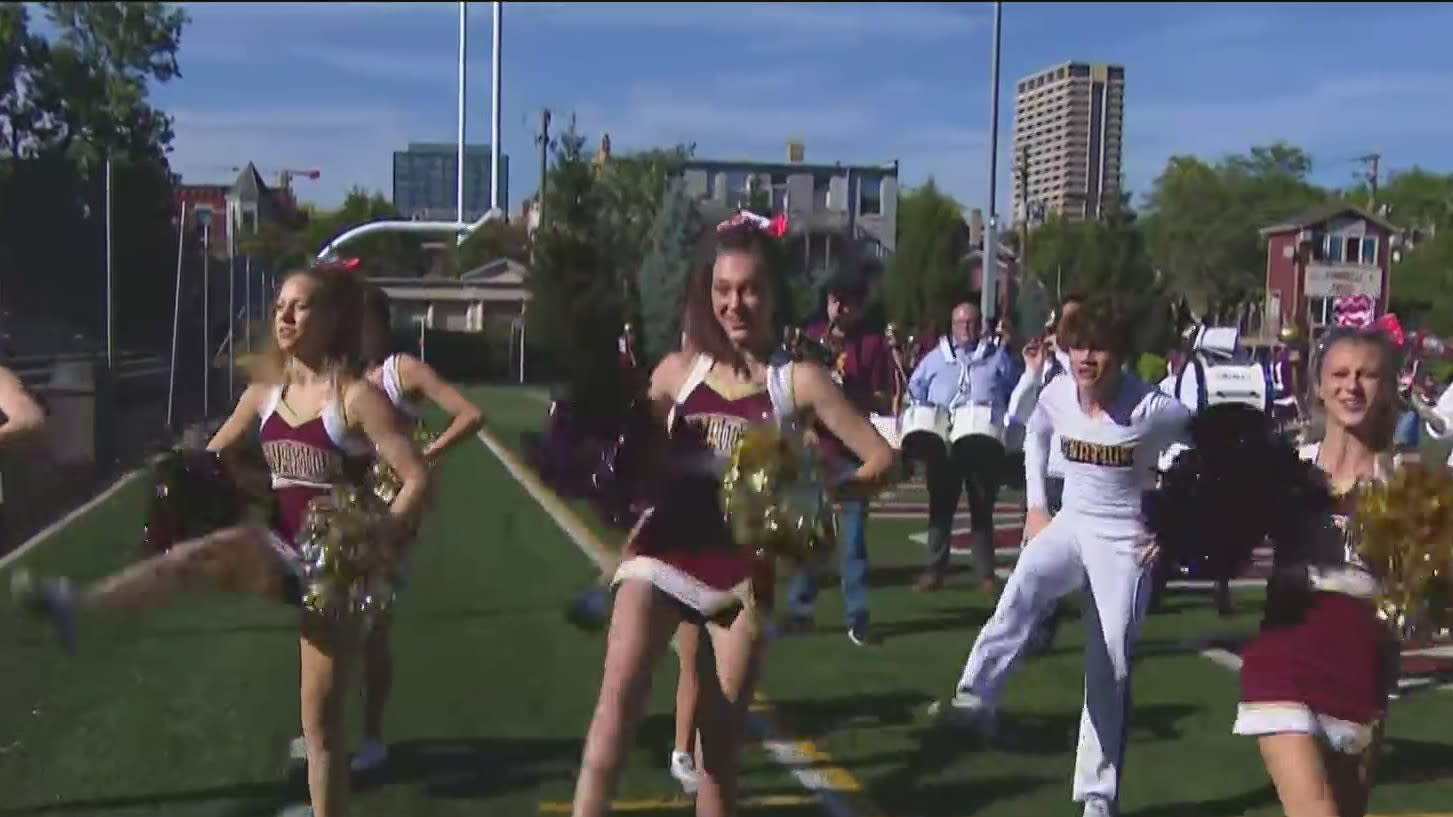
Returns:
<point x="1389" y="323"/>
<point x="776" y="226"/>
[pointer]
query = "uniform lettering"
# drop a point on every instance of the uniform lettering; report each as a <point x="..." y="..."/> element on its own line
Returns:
<point x="290" y="459"/>
<point x="721" y="432"/>
<point x="1102" y="454"/>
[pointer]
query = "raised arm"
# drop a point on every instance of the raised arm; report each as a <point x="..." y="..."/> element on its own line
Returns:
<point x="465" y="417"/>
<point x="245" y="416"/>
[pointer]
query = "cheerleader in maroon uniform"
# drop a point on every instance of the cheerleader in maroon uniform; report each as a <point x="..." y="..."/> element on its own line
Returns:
<point x="317" y="412"/>
<point x="1315" y="680"/>
<point x="682" y="563"/>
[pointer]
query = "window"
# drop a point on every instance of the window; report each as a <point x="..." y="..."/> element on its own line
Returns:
<point x="779" y="198"/>
<point x="1369" y="251"/>
<point x="1354" y="250"/>
<point x="710" y="185"/>
<point x="870" y="197"/>
<point x="1319" y="311"/>
<point x="736" y="187"/>
<point x="1332" y="248"/>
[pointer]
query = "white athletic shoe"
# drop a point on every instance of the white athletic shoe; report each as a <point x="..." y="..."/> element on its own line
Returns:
<point x="1096" y="806"/>
<point x="968" y="709"/>
<point x="683" y="768"/>
<point x="369" y="756"/>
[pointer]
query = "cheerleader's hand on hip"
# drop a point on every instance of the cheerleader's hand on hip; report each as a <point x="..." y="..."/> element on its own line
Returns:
<point x="1035" y="520"/>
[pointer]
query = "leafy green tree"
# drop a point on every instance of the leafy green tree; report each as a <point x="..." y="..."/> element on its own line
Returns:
<point x="577" y="305"/>
<point x="1204" y="220"/>
<point x="925" y="277"/>
<point x="629" y="189"/>
<point x="661" y="279"/>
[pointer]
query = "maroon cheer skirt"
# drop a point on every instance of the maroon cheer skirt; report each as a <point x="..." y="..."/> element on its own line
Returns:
<point x="1339" y="660"/>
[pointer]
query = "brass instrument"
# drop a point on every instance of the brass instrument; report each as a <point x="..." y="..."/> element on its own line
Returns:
<point x="899" y="355"/>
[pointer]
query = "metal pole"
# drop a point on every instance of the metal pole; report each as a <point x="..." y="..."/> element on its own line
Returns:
<point x="989" y="269"/>
<point x="110" y="278"/>
<point x="246" y="289"/>
<point x="206" y="322"/>
<point x="171" y="385"/>
<point x="231" y="327"/>
<point x="463" y="71"/>
<point x="496" y="200"/>
<point x="523" y="321"/>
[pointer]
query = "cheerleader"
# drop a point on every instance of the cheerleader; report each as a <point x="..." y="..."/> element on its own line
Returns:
<point x="404" y="379"/>
<point x="1315" y="679"/>
<point x="682" y="564"/>
<point x="316" y="411"/>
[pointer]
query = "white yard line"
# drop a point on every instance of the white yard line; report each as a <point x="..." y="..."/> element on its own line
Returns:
<point x="60" y="524"/>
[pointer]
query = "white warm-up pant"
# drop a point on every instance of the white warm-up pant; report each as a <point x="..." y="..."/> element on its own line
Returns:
<point x="1104" y="555"/>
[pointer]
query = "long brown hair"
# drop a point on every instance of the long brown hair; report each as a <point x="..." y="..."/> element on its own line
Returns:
<point x="337" y="297"/>
<point x="704" y="334"/>
<point x="377" y="315"/>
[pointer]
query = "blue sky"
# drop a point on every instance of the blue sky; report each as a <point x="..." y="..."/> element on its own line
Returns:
<point x="339" y="86"/>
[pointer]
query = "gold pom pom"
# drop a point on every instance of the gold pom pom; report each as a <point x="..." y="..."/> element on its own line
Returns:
<point x="774" y="498"/>
<point x="383" y="480"/>
<point x="350" y="566"/>
<point x="1404" y="530"/>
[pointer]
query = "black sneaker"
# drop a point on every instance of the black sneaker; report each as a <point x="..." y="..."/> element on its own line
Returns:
<point x="53" y="599"/>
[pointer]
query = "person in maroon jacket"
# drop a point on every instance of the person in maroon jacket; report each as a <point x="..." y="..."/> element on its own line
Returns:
<point x="861" y="363"/>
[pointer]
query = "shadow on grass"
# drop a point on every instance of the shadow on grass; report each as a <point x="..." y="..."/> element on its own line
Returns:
<point x="251" y="799"/>
<point x="474" y="767"/>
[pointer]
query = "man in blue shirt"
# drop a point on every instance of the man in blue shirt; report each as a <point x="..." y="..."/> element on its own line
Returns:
<point x="965" y="368"/>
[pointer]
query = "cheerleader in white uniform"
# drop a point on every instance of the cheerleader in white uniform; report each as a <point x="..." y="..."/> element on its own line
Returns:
<point x="1111" y="428"/>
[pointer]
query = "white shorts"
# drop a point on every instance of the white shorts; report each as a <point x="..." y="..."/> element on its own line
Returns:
<point x="1346" y="737"/>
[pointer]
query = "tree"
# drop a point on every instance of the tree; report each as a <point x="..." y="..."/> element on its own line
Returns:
<point x="630" y="190"/>
<point x="924" y="277"/>
<point x="1204" y="220"/>
<point x="71" y="97"/>
<point x="495" y="240"/>
<point x="577" y="305"/>
<point x="661" y="279"/>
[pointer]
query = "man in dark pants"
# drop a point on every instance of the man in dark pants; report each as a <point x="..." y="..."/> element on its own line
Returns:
<point x="861" y="364"/>
<point x="964" y="369"/>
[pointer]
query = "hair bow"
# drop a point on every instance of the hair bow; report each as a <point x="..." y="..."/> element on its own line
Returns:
<point x="776" y="226"/>
<point x="1390" y="324"/>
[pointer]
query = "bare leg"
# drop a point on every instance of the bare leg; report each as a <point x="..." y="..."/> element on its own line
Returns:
<point x="238" y="560"/>
<point x="1294" y="762"/>
<point x="729" y="672"/>
<point x="328" y="651"/>
<point x="688" y="687"/>
<point x="378" y="678"/>
<point x="640" y="629"/>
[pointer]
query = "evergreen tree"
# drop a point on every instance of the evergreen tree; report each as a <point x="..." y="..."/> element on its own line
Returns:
<point x="576" y="304"/>
<point x="661" y="279"/>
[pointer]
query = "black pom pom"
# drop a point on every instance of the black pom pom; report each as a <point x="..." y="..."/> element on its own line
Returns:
<point x="1238" y="487"/>
<point x="192" y="495"/>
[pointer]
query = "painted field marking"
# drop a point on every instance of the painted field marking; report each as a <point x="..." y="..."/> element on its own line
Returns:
<point x="61" y="524"/>
<point x="687" y="805"/>
<point x="835" y="788"/>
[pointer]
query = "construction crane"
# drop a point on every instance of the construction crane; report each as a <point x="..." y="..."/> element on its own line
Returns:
<point x="285" y="175"/>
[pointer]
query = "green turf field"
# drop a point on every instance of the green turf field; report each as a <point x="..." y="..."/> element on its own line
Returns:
<point x="187" y="711"/>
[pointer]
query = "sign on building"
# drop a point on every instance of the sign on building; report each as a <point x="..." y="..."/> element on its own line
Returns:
<point x="1335" y="281"/>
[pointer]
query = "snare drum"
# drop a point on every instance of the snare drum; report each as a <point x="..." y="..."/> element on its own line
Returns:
<point x="923" y="431"/>
<point x="977" y="420"/>
<point x="887" y="426"/>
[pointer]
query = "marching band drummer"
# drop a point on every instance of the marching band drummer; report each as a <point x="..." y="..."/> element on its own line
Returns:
<point x="965" y="368"/>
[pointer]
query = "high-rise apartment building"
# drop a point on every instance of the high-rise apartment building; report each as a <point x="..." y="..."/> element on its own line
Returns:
<point x="1068" y="127"/>
<point x="426" y="180"/>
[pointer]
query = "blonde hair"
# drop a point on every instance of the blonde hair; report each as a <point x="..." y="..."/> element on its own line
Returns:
<point x="1385" y="403"/>
<point x="338" y="297"/>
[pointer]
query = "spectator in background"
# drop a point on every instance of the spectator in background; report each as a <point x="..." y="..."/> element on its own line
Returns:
<point x="21" y="414"/>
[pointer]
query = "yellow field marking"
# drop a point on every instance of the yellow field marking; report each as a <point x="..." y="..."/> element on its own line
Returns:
<point x="685" y="804"/>
<point x="811" y="767"/>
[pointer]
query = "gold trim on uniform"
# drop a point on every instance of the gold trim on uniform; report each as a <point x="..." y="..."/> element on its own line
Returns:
<point x="1103" y="454"/>
<point x="291" y="459"/>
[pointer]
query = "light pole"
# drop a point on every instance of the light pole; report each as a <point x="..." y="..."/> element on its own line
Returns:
<point x="989" y="268"/>
<point x="463" y="102"/>
<point x="495" y="199"/>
